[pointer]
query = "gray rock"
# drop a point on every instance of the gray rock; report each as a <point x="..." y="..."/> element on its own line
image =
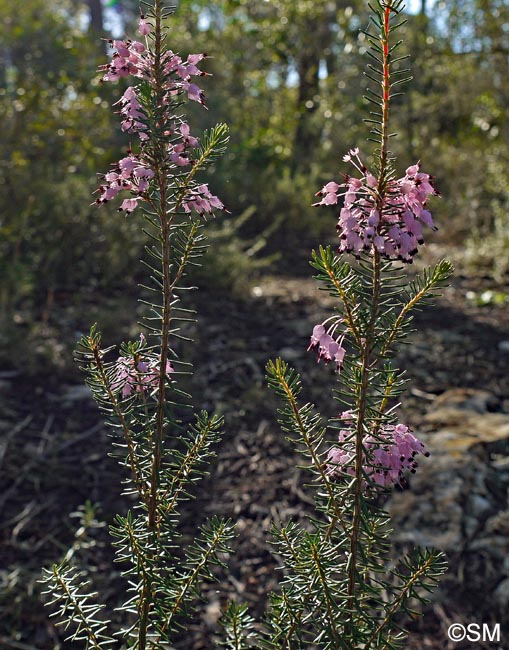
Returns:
<point x="77" y="393"/>
<point x="479" y="506"/>
<point x="290" y="354"/>
<point x="466" y="399"/>
<point x="458" y="499"/>
<point x="502" y="594"/>
<point x="503" y="346"/>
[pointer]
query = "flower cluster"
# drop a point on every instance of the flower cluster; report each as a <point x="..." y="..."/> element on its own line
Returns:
<point x="134" y="119"/>
<point x="182" y="72"/>
<point x="133" y="58"/>
<point x="130" y="58"/>
<point x="136" y="374"/>
<point x="134" y="173"/>
<point x="329" y="349"/>
<point x="201" y="200"/>
<point x="130" y="173"/>
<point x="389" y="219"/>
<point x="387" y="456"/>
<point x="179" y="151"/>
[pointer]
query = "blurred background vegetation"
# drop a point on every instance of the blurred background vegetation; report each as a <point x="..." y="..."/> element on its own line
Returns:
<point x="287" y="78"/>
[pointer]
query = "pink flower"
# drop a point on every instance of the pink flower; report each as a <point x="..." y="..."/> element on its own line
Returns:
<point x="391" y="224"/>
<point x="132" y="113"/>
<point x="201" y="200"/>
<point x="194" y="93"/>
<point x="130" y="173"/>
<point x="133" y="172"/>
<point x="130" y="58"/>
<point x="137" y="374"/>
<point x="137" y="47"/>
<point x="127" y="165"/>
<point x="387" y="457"/>
<point x="351" y="154"/>
<point x="178" y="150"/>
<point x="179" y="160"/>
<point x="128" y="205"/>
<point x="329" y="349"/>
<point x="184" y="70"/>
<point x="318" y="332"/>
<point x="143" y="172"/>
<point x="121" y="47"/>
<point x="193" y="59"/>
<point x="371" y="180"/>
<point x="189" y="140"/>
<point x="143" y="26"/>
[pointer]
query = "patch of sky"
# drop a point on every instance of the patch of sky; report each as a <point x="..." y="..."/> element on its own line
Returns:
<point x="414" y="6"/>
<point x="204" y="20"/>
<point x="113" y="22"/>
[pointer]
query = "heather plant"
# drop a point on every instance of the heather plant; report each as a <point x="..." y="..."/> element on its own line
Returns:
<point x="341" y="585"/>
<point x="163" y="449"/>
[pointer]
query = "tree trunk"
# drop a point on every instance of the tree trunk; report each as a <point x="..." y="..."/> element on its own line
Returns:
<point x="95" y="9"/>
<point x="306" y="137"/>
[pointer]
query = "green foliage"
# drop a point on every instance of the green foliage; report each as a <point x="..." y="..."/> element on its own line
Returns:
<point x="233" y="261"/>
<point x="266" y="66"/>
<point x="67" y="589"/>
<point x="55" y="129"/>
<point x="314" y="606"/>
<point x="238" y="626"/>
<point x="488" y="244"/>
